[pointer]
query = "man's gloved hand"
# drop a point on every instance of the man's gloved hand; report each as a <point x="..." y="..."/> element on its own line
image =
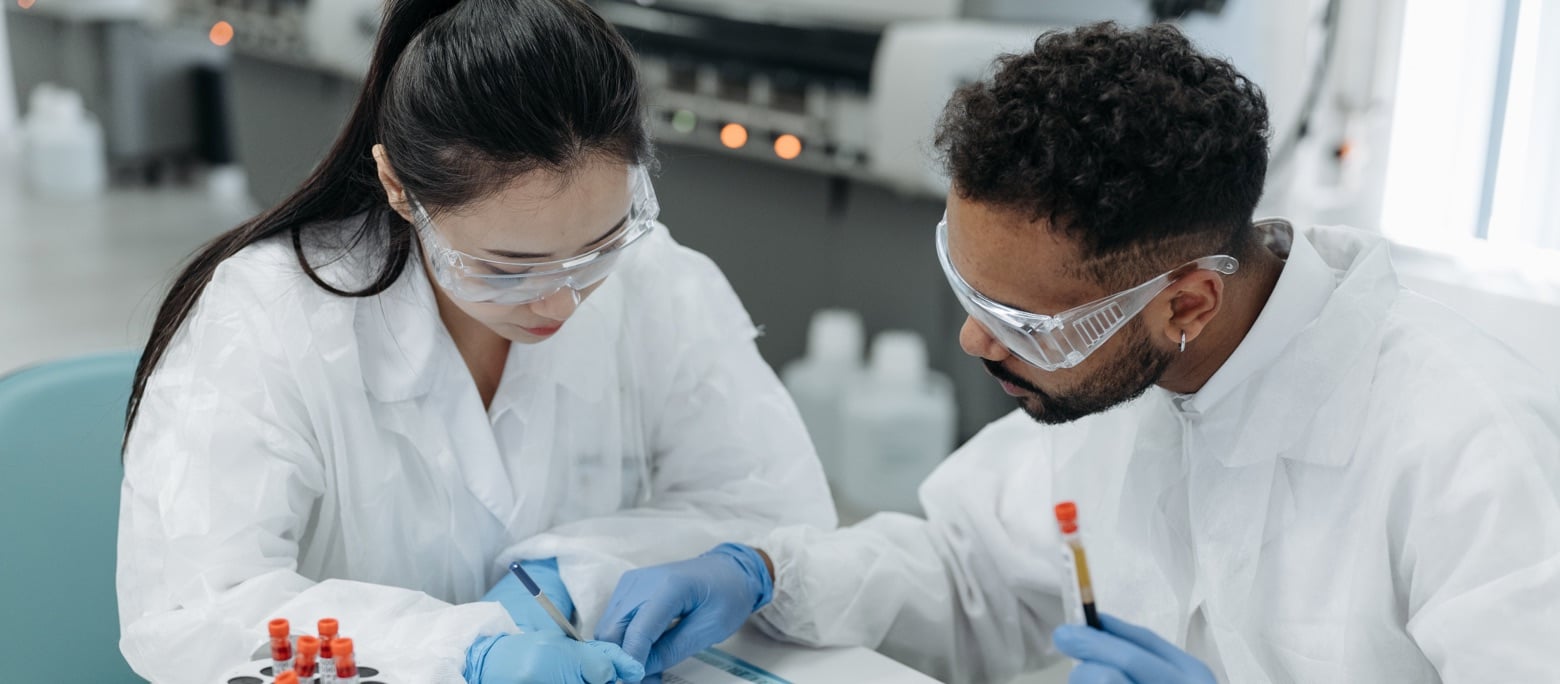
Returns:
<point x="547" y="658"/>
<point x="712" y="595"/>
<point x="527" y="613"/>
<point x="1124" y="653"/>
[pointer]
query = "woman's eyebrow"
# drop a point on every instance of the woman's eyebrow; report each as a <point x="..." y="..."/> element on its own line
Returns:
<point x="533" y="255"/>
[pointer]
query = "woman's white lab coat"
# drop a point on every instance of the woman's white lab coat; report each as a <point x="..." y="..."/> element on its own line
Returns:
<point x="301" y="455"/>
<point x="1367" y="491"/>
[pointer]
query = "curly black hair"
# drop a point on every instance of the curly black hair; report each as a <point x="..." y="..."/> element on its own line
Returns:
<point x="1130" y="142"/>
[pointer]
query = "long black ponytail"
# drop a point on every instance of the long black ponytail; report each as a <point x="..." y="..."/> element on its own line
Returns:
<point x="465" y="95"/>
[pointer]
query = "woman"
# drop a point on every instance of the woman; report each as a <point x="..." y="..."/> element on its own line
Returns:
<point x="368" y="401"/>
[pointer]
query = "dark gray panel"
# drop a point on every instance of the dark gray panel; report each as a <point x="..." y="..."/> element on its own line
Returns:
<point x="284" y="120"/>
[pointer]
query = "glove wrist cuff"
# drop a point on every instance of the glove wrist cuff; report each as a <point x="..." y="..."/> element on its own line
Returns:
<point x="753" y="567"/>
<point x="476" y="654"/>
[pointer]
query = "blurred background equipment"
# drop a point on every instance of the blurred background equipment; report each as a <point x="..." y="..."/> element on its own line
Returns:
<point x="294" y="70"/>
<point x="133" y="71"/>
<point x="802" y="126"/>
<point x="797" y="133"/>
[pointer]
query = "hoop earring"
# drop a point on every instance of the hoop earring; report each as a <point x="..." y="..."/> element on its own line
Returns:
<point x="1183" y="341"/>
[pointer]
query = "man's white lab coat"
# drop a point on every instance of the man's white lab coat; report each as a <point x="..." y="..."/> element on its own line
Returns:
<point x="1367" y="491"/>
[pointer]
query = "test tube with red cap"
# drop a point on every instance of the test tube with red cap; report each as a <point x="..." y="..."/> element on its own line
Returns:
<point x="328" y="630"/>
<point x="288" y="677"/>
<point x="306" y="663"/>
<point x="346" y="662"/>
<point x="281" y="646"/>
<point x="1079" y="588"/>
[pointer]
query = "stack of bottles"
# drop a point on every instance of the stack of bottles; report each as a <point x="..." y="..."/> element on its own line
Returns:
<point x="879" y="429"/>
<point x="817" y="382"/>
<point x="898" y="426"/>
<point x="299" y="660"/>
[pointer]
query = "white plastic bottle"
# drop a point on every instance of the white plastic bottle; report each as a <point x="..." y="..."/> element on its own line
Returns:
<point x="898" y="425"/>
<point x="64" y="155"/>
<point x="818" y="380"/>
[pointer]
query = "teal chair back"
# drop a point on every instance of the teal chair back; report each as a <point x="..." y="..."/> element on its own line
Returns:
<point x="61" y="424"/>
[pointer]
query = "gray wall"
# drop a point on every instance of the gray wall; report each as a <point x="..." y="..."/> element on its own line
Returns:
<point x="284" y="119"/>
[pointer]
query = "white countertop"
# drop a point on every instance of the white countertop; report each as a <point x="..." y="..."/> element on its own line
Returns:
<point x="803" y="665"/>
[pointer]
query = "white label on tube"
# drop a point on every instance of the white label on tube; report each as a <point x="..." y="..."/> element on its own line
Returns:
<point x="1072" y="594"/>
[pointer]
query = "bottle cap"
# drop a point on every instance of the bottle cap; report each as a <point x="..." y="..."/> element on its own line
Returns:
<point x="341" y="647"/>
<point x="308" y="645"/>
<point x="899" y="357"/>
<point x="835" y="335"/>
<point x="279" y="628"/>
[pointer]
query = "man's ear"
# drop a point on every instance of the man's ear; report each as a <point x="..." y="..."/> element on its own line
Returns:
<point x="1193" y="302"/>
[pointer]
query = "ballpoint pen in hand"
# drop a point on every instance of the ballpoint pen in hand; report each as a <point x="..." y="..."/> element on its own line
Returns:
<point x="546" y="603"/>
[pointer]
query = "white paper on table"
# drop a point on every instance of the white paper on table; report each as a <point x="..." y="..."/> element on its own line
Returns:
<point x="715" y="666"/>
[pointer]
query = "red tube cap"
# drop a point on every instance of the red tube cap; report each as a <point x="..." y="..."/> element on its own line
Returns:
<point x="1067" y="517"/>
<point x="279" y="628"/>
<point x="308" y="645"/>
<point x="341" y="647"/>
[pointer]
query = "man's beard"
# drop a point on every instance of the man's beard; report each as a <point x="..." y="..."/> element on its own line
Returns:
<point x="1138" y="369"/>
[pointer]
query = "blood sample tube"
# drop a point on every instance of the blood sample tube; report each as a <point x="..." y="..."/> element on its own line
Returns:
<point x="281" y="646"/>
<point x="306" y="662"/>
<point x="1080" y="586"/>
<point x="346" y="663"/>
<point x="328" y="629"/>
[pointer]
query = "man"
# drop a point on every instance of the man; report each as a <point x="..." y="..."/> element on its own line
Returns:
<point x="1288" y="468"/>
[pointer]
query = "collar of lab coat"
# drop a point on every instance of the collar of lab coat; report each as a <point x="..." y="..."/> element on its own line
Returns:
<point x="1317" y="335"/>
<point x="399" y="335"/>
<point x="405" y="348"/>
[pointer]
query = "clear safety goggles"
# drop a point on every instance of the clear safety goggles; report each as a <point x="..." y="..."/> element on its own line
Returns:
<point x="496" y="281"/>
<point x="1065" y="339"/>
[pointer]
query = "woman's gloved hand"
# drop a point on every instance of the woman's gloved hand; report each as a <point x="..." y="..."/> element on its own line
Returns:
<point x="712" y="595"/>
<point x="527" y="613"/>
<point x="547" y="658"/>
<point x="1124" y="653"/>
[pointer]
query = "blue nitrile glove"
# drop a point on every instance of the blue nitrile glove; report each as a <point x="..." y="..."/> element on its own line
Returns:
<point x="1124" y="653"/>
<point x="547" y="658"/>
<point x="712" y="594"/>
<point x="527" y="613"/>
